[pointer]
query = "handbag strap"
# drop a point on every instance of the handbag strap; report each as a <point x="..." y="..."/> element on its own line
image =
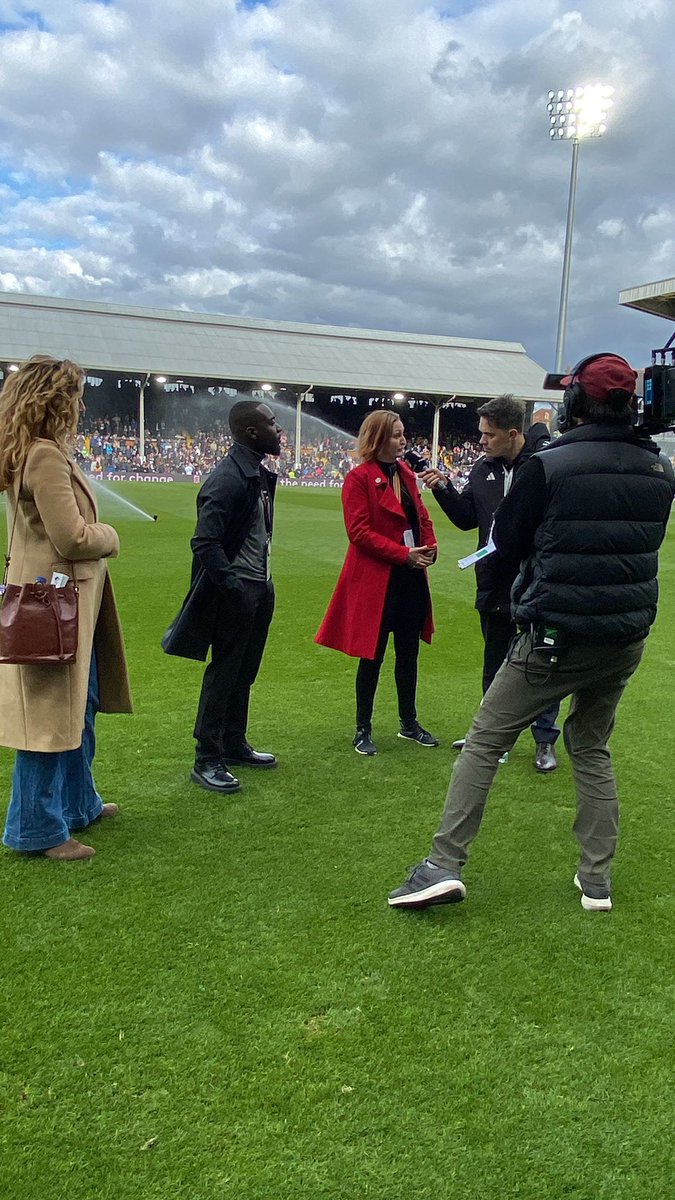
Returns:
<point x="11" y="536"/>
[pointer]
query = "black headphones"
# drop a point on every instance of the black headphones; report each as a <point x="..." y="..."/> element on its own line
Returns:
<point x="574" y="396"/>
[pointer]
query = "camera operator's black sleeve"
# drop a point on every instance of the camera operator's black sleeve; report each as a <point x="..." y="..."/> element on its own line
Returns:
<point x="521" y="512"/>
<point x="459" y="507"/>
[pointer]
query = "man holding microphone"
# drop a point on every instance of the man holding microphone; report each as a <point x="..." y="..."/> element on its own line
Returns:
<point x="506" y="448"/>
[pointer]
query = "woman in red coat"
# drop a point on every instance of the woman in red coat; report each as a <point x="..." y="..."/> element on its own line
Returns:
<point x="383" y="585"/>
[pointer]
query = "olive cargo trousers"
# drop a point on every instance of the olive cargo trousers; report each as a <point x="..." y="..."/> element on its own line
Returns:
<point x="595" y="677"/>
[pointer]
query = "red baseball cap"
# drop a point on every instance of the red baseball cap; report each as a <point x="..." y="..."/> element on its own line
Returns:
<point x="602" y="375"/>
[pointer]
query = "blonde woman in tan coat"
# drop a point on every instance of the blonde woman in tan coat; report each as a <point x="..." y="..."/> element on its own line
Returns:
<point x="47" y="712"/>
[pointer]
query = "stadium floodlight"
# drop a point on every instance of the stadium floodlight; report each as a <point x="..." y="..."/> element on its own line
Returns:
<point x="160" y="378"/>
<point x="13" y="367"/>
<point x="398" y="397"/>
<point x="266" y="387"/>
<point x="574" y="114"/>
<point x="579" y="112"/>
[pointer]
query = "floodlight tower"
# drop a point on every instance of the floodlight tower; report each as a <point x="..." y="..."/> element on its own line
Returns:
<point x="574" y="113"/>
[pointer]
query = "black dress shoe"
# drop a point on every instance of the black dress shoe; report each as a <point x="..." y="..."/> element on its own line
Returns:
<point x="246" y="756"/>
<point x="215" y="777"/>
<point x="545" y="759"/>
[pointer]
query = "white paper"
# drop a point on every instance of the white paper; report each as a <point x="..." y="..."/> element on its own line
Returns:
<point x="478" y="555"/>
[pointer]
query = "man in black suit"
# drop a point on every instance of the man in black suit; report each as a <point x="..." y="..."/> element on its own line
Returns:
<point x="507" y="447"/>
<point x="231" y="600"/>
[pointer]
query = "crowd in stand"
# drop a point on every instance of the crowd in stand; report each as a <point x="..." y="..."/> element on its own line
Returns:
<point x="110" y="446"/>
<point x="456" y="455"/>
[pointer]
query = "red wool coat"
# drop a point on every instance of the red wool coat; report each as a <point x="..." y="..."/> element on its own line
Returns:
<point x="375" y="523"/>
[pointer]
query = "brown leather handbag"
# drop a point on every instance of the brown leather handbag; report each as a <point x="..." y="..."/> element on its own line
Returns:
<point x="38" y="621"/>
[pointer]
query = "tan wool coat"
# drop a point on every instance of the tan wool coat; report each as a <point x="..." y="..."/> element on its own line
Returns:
<point x="42" y="706"/>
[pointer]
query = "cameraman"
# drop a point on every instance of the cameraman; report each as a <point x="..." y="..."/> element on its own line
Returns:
<point x="585" y="519"/>
<point x="506" y="449"/>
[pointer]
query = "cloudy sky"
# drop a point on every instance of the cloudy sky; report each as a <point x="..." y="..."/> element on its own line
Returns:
<point x="381" y="163"/>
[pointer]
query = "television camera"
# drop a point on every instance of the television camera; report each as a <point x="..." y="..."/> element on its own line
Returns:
<point x="655" y="408"/>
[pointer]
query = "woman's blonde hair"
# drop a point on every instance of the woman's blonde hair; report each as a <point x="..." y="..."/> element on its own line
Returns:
<point x="377" y="428"/>
<point x="40" y="400"/>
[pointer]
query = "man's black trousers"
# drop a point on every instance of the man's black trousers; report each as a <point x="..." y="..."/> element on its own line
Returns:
<point x="498" y="630"/>
<point x="242" y="624"/>
<point x="498" y="633"/>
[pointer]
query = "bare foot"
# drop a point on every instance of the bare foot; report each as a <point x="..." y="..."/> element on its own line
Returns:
<point x="69" y="851"/>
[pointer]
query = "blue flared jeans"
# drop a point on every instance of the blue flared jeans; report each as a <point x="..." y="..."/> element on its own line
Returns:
<point x="54" y="793"/>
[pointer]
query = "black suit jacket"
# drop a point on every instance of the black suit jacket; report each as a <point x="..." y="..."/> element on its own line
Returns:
<point x="475" y="507"/>
<point x="226" y="508"/>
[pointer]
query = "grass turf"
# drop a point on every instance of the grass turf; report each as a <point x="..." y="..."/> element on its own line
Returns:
<point x="220" y="1003"/>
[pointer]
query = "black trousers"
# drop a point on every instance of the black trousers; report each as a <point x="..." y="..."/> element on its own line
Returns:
<point x="242" y="626"/>
<point x="498" y="631"/>
<point x="405" y="608"/>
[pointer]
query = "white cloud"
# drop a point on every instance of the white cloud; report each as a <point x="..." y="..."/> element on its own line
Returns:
<point x="611" y="228"/>
<point x="378" y="164"/>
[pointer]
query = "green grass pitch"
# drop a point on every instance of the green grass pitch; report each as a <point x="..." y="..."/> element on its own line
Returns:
<point x="220" y="1003"/>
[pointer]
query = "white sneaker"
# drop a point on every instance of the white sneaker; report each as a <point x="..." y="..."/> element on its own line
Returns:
<point x="461" y="742"/>
<point x="593" y="903"/>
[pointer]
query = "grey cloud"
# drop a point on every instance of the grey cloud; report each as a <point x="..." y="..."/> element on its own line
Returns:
<point x="368" y="164"/>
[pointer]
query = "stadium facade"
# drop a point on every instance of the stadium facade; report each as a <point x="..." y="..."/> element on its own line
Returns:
<point x="158" y="358"/>
<point x="161" y="364"/>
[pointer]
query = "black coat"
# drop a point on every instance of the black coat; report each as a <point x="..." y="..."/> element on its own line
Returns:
<point x="226" y="509"/>
<point x="475" y="507"/>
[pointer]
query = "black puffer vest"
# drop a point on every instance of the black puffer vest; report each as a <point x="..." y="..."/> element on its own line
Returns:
<point x="592" y="574"/>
